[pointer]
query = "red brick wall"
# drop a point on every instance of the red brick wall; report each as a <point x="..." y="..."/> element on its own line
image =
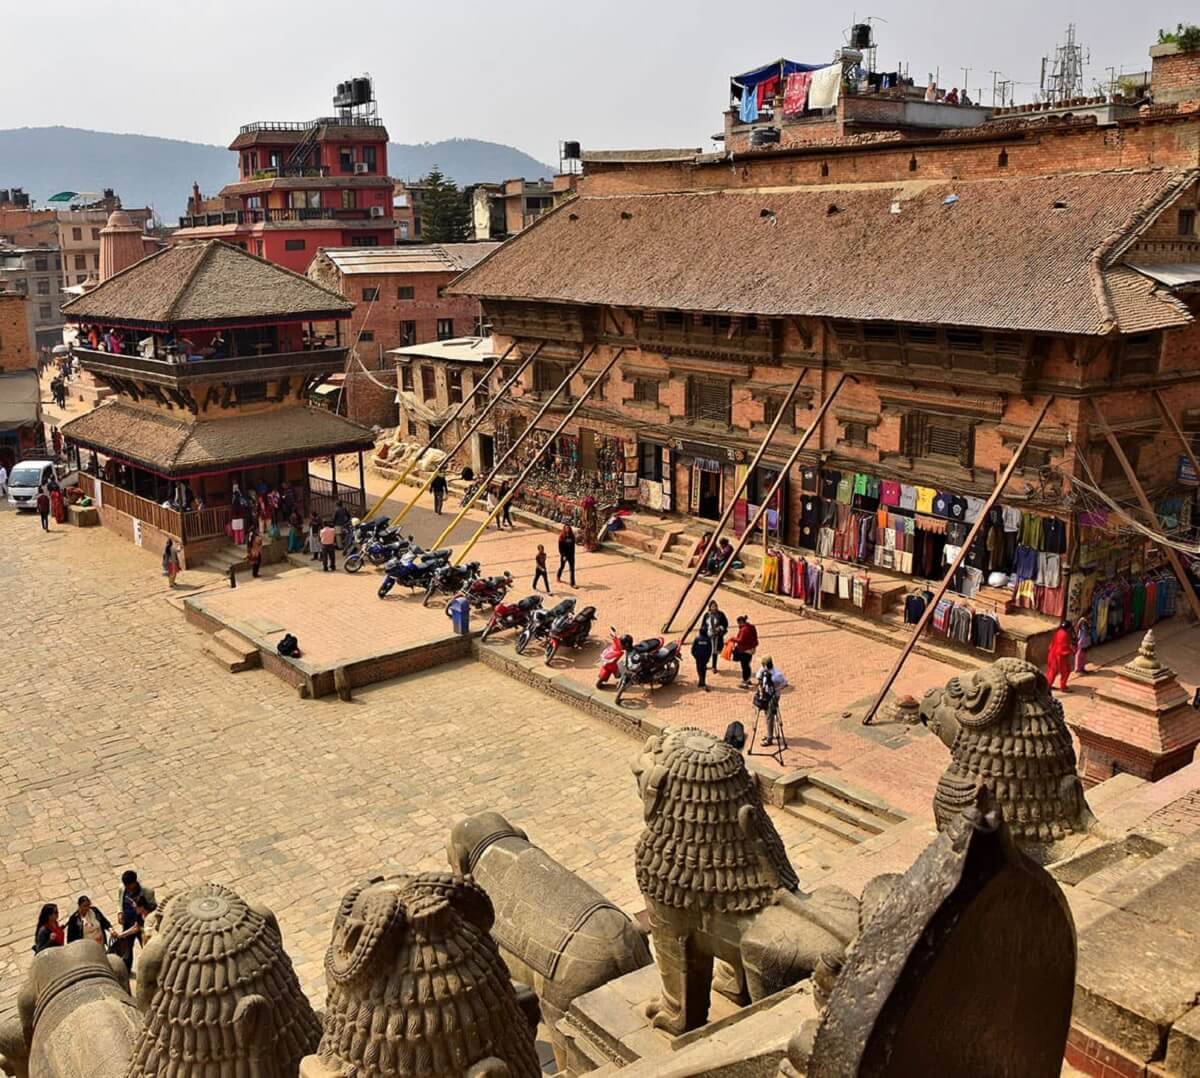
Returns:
<point x="1175" y="76"/>
<point x="15" y="352"/>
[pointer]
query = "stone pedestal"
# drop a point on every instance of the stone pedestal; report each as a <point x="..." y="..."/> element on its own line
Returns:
<point x="1142" y="722"/>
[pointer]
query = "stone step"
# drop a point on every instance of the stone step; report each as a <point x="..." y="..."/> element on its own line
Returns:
<point x="226" y="657"/>
<point x="826" y="823"/>
<point x="643" y="541"/>
<point x="857" y="800"/>
<point x="220" y="560"/>
<point x="857" y="817"/>
<point x="238" y="644"/>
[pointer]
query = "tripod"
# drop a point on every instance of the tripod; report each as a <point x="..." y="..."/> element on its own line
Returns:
<point x="774" y="730"/>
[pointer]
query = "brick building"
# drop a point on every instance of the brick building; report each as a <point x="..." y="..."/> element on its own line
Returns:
<point x="16" y="353"/>
<point x="399" y="297"/>
<point x="35" y="272"/>
<point x="962" y="278"/>
<point x="306" y="185"/>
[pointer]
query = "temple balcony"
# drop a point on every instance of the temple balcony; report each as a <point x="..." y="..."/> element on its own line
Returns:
<point x="179" y="373"/>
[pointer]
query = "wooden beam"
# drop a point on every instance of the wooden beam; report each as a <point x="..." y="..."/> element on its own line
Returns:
<point x="1139" y="491"/>
<point x="1187" y="448"/>
<point x="963" y="551"/>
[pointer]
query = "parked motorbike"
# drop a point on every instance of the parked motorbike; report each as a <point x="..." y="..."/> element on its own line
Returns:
<point x="511" y="615"/>
<point x="610" y="657"/>
<point x="538" y="625"/>
<point x="378" y="551"/>
<point x="415" y="573"/>
<point x="449" y="579"/>
<point x="569" y="631"/>
<point x="649" y="662"/>
<point x="486" y="591"/>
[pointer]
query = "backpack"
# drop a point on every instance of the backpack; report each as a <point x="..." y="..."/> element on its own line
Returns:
<point x="735" y="735"/>
<point x="288" y="647"/>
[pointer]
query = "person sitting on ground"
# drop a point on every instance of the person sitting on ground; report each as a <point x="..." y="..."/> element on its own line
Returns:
<point x="720" y="555"/>
<point x="88" y="923"/>
<point x="699" y="549"/>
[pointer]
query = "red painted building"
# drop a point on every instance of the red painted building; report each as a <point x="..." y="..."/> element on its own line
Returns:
<point x="306" y="185"/>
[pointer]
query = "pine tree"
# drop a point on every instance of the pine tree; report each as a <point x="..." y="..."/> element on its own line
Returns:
<point x="445" y="215"/>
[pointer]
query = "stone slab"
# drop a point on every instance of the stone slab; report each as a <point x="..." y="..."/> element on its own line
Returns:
<point x="1183" y="1044"/>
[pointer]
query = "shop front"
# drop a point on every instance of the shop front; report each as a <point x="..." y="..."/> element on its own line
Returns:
<point x="573" y="472"/>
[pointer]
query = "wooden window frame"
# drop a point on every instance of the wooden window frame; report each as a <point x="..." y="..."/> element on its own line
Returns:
<point x="695" y="387"/>
<point x="920" y="430"/>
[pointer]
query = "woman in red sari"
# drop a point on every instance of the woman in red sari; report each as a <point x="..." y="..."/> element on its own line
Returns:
<point x="1058" y="661"/>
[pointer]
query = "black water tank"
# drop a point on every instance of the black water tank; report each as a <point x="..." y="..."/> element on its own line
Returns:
<point x="860" y="35"/>
<point x="571" y="151"/>
<point x="764" y="136"/>
<point x="362" y="91"/>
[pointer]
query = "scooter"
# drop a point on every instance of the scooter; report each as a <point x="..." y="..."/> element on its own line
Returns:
<point x="569" y="631"/>
<point x="649" y="662"/>
<point x="511" y="615"/>
<point x="486" y="591"/>
<point x="610" y="657"/>
<point x="449" y="579"/>
<point x="538" y="626"/>
<point x="415" y="573"/>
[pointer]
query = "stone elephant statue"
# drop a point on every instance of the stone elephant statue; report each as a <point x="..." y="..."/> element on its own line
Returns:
<point x="556" y="932"/>
<point x="75" y="1017"/>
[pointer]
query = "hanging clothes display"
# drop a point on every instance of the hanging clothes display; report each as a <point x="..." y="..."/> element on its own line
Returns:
<point x="826" y="87"/>
<point x="795" y="93"/>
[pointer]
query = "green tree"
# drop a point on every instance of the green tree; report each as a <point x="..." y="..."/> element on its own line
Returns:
<point x="445" y="214"/>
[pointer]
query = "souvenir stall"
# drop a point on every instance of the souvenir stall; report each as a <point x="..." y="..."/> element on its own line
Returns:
<point x="578" y="473"/>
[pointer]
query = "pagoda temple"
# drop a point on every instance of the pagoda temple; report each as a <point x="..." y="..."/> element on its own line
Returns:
<point x="212" y="354"/>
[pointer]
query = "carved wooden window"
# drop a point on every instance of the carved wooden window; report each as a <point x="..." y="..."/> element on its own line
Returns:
<point x="670" y="320"/>
<point x="645" y="390"/>
<point x="1187" y="222"/>
<point x="1139" y="354"/>
<point x="856" y="433"/>
<point x="771" y="407"/>
<point x="1034" y="459"/>
<point x="428" y="383"/>
<point x="454" y="387"/>
<point x="964" y="340"/>
<point x="938" y="438"/>
<point x="709" y="401"/>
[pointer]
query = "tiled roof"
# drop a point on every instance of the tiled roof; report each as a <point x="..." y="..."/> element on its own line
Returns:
<point x="1026" y="253"/>
<point x="201" y="282"/>
<point x="173" y="447"/>
<point x="409" y="258"/>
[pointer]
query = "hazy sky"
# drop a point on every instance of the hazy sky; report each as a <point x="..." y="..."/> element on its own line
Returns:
<point x="612" y="74"/>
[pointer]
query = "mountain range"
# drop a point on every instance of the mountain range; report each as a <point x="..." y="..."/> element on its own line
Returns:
<point x="149" y="171"/>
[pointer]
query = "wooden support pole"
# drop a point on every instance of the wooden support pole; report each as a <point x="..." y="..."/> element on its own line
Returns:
<point x="564" y="384"/>
<point x="1187" y="448"/>
<point x="752" y="525"/>
<point x="964" y="550"/>
<point x="433" y="438"/>
<point x="785" y="409"/>
<point x="1139" y="491"/>
<point x="512" y="490"/>
<point x="487" y="410"/>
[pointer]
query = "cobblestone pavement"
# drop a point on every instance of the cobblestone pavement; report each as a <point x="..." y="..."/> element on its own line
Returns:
<point x="124" y="746"/>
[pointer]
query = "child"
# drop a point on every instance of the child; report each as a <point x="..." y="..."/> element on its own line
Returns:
<point x="539" y="572"/>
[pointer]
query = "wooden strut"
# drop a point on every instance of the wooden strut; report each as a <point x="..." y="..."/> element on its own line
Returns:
<point x="433" y="438"/>
<point x="471" y="429"/>
<point x="1162" y="407"/>
<point x="515" y="486"/>
<point x="960" y="557"/>
<point x="483" y="485"/>
<point x="752" y="525"/>
<point x="1172" y="556"/>
<point x="712" y="542"/>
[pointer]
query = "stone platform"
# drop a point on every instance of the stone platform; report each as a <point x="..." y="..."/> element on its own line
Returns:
<point x="339" y="622"/>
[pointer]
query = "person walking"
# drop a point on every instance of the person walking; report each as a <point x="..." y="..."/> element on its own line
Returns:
<point x="56" y="440"/>
<point x="716" y="624"/>
<point x="539" y="572"/>
<point x="170" y="561"/>
<point x="58" y="504"/>
<point x="506" y="503"/>
<point x="3" y="481"/>
<point x="491" y="503"/>
<point x="254" y="547"/>
<point x="438" y="489"/>
<point x="702" y="652"/>
<point x="49" y="933"/>
<point x="745" y="642"/>
<point x="1083" y="641"/>
<point x="329" y="548"/>
<point x="1058" y="660"/>
<point x="314" y="536"/>
<point x="88" y="923"/>
<point x="566" y="552"/>
<point x="43" y="508"/>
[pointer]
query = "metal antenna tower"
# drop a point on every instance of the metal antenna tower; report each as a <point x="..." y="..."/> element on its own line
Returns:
<point x="1062" y="73"/>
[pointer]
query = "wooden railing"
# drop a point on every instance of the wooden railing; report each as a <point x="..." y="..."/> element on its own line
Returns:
<point x="190" y="526"/>
<point x="323" y="498"/>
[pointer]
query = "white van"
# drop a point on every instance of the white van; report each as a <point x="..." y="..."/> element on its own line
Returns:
<point x="26" y="479"/>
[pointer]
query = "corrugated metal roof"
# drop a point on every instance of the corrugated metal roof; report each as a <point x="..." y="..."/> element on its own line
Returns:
<point x="457" y="350"/>
<point x="1171" y="274"/>
<point x="409" y="258"/>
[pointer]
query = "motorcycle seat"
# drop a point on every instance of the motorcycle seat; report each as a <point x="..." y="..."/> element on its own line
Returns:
<point x="644" y="647"/>
<point x="667" y="651"/>
<point x="586" y="612"/>
<point x="565" y="607"/>
<point x="444" y="552"/>
<point x="530" y="602"/>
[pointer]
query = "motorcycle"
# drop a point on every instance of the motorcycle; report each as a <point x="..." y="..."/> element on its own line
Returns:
<point x="414" y="573"/>
<point x="511" y="615"/>
<point x="610" y="657"/>
<point x="570" y="631"/>
<point x="449" y="579"/>
<point x="377" y="551"/>
<point x="649" y="662"/>
<point x="538" y="625"/>
<point x="486" y="591"/>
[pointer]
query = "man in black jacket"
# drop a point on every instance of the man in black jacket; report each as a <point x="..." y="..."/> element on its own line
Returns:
<point x="341" y="524"/>
<point x="702" y="651"/>
<point x="438" y="489"/>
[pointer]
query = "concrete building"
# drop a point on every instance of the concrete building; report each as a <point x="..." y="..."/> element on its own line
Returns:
<point x="36" y="273"/>
<point x="963" y="278"/>
<point x="406" y="203"/>
<point x="399" y="297"/>
<point x="307" y="185"/>
<point x="79" y="235"/>
<point x="500" y="210"/>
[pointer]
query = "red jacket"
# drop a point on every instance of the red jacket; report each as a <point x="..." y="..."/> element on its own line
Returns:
<point x="746" y="638"/>
<point x="1060" y="646"/>
<point x="43" y="503"/>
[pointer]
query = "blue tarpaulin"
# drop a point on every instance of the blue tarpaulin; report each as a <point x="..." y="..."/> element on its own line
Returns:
<point x="780" y="67"/>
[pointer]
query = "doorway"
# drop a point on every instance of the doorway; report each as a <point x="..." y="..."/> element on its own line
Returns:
<point x="709" y="505"/>
<point x="487" y="453"/>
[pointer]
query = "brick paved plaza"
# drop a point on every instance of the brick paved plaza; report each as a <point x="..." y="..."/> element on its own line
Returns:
<point x="125" y="746"/>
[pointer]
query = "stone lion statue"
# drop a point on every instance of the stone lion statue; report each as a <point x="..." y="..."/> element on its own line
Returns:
<point x="1006" y="732"/>
<point x="718" y="883"/>
<point x="418" y="987"/>
<point x="215" y="977"/>
<point x="75" y="1017"/>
